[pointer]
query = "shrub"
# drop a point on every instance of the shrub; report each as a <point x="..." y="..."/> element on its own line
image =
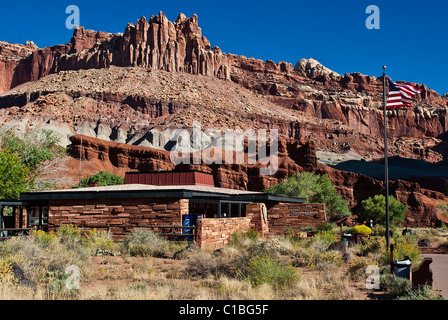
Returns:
<point x="394" y="286"/>
<point x="102" y="178"/>
<point x="203" y="264"/>
<point x="56" y="287"/>
<point x="70" y="236"/>
<point x="315" y="189"/>
<point x="375" y="209"/>
<point x="358" y="266"/>
<point x="404" y="246"/>
<point x="327" y="236"/>
<point x="100" y="241"/>
<point x="374" y="245"/>
<point x="43" y="237"/>
<point x="143" y="242"/>
<point x="316" y="256"/>
<point x="365" y="230"/>
<point x="265" y="269"/>
<point x="327" y="226"/>
<point x="421" y="293"/>
<point x="272" y="247"/>
<point x="242" y="239"/>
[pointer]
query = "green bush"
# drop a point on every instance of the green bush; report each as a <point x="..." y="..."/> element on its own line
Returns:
<point x="375" y="209"/>
<point x="315" y="189"/>
<point x="34" y="148"/>
<point x="265" y="269"/>
<point x="102" y="179"/>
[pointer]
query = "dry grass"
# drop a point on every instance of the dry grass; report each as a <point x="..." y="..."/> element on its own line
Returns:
<point x="197" y="275"/>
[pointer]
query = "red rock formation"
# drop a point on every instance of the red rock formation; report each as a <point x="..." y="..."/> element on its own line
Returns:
<point x="294" y="157"/>
<point x="157" y="43"/>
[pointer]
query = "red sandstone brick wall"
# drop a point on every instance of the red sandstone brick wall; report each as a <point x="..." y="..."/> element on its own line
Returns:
<point x="294" y="216"/>
<point x="215" y="233"/>
<point x="258" y="219"/>
<point x="118" y="216"/>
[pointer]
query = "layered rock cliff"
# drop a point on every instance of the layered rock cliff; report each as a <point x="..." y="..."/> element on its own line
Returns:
<point x="294" y="156"/>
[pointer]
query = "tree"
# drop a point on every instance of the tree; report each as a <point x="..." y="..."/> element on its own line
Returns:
<point x="15" y="177"/>
<point x="315" y="189"/>
<point x="102" y="178"/>
<point x="374" y="209"/>
<point x="34" y="148"/>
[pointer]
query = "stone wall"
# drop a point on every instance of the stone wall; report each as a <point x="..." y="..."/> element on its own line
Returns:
<point x="294" y="216"/>
<point x="257" y="212"/>
<point x="118" y="216"/>
<point x="215" y="233"/>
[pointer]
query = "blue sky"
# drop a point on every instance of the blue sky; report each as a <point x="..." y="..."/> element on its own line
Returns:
<point x="412" y="40"/>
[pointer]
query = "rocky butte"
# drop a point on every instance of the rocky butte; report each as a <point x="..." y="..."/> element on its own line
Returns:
<point x="126" y="92"/>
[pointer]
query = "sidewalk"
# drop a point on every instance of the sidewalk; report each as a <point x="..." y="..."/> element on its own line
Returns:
<point x="439" y="267"/>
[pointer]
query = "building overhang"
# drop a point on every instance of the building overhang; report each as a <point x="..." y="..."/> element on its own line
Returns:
<point x="181" y="192"/>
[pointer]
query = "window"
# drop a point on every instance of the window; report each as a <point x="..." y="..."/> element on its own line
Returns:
<point x="34" y="216"/>
<point x="38" y="216"/>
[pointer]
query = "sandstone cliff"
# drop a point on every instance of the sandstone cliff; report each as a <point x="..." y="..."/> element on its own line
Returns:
<point x="294" y="156"/>
<point x="156" y="43"/>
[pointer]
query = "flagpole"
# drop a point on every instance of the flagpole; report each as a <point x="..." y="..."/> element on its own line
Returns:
<point x="386" y="160"/>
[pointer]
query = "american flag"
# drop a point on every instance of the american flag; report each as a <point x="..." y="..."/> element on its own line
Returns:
<point x="401" y="95"/>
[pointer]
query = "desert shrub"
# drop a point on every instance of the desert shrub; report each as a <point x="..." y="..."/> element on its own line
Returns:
<point x="394" y="286"/>
<point x="6" y="273"/>
<point x="326" y="236"/>
<point x="379" y="230"/>
<point x="56" y="289"/>
<point x="374" y="245"/>
<point x="358" y="266"/>
<point x="365" y="230"/>
<point x="100" y="241"/>
<point x="421" y="293"/>
<point x="272" y="247"/>
<point x="70" y="236"/>
<point x="327" y="226"/>
<point x="243" y="239"/>
<point x="203" y="264"/>
<point x="316" y="256"/>
<point x="36" y="259"/>
<point x="404" y="246"/>
<point x="43" y="237"/>
<point x="143" y="242"/>
<point x="265" y="269"/>
<point x="68" y="233"/>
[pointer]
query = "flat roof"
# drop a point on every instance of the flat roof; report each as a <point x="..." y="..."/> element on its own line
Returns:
<point x="150" y="191"/>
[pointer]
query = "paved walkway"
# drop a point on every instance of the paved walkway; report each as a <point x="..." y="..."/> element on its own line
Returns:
<point x="439" y="267"/>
